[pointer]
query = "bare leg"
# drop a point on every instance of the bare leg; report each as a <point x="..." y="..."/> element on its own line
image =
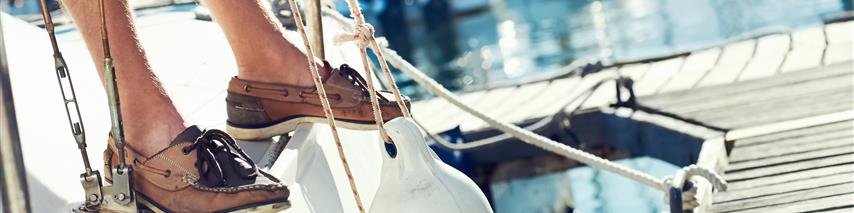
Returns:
<point x="261" y="52"/>
<point x="150" y="119"/>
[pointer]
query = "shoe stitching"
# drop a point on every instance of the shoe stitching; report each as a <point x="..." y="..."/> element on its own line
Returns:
<point x="233" y="189"/>
<point x="179" y="166"/>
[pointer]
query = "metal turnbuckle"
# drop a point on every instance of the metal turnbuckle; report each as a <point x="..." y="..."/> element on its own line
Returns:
<point x="90" y="179"/>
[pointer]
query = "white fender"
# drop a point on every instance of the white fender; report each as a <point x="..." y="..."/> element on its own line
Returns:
<point x="416" y="180"/>
<point x="302" y="165"/>
<point x="312" y="168"/>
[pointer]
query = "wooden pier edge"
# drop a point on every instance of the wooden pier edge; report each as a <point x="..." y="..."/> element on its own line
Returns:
<point x="714" y="152"/>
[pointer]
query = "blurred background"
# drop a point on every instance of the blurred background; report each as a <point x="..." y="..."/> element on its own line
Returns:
<point x="471" y="44"/>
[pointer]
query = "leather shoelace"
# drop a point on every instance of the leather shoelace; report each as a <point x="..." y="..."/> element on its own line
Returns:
<point x="357" y="79"/>
<point x="220" y="162"/>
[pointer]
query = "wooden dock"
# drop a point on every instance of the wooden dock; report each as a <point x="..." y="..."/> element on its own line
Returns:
<point x="782" y="104"/>
<point x="798" y="170"/>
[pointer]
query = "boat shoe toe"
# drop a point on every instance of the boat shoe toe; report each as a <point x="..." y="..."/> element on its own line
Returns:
<point x="201" y="171"/>
<point x="259" y="110"/>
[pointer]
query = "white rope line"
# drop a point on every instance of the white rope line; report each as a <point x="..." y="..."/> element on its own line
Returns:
<point x="524" y="135"/>
<point x="527" y="136"/>
<point x="361" y="37"/>
<point x="375" y="103"/>
<point x="532" y="138"/>
<point x="327" y="109"/>
<point x="363" y="33"/>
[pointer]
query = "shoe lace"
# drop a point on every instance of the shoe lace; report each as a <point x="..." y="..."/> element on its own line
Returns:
<point x="221" y="163"/>
<point x="357" y="80"/>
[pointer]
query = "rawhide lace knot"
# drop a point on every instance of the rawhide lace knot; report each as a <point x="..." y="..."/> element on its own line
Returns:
<point x="356" y="79"/>
<point x="220" y="162"/>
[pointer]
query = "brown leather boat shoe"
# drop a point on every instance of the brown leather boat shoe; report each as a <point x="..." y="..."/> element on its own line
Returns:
<point x="201" y="172"/>
<point x="258" y="111"/>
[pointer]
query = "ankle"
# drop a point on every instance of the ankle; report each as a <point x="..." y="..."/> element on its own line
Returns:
<point x="283" y="73"/>
<point x="154" y="138"/>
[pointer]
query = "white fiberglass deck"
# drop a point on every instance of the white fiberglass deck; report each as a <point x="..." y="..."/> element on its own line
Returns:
<point x="194" y="63"/>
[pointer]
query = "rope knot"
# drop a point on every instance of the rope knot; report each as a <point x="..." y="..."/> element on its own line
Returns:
<point x="683" y="190"/>
<point x="363" y="34"/>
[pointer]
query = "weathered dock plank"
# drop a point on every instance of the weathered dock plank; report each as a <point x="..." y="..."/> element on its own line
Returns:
<point x="634" y="71"/>
<point x="838" y="53"/>
<point x="525" y="94"/>
<point x="792" y="158"/>
<point x="793" y="186"/>
<point x="731" y="63"/>
<point x="824" y="102"/>
<point x="492" y="99"/>
<point x="810" y="92"/>
<point x="658" y="75"/>
<point x="558" y="93"/>
<point x="770" y="52"/>
<point x="789" y="177"/>
<point x="839" y="39"/>
<point x="810" y="205"/>
<point x="839" y="32"/>
<point x="447" y="118"/>
<point x="602" y="96"/>
<point x="696" y="66"/>
<point x="807" y="49"/>
<point x="796" y="134"/>
<point x="780" y="201"/>
<point x="810" y="140"/>
<point x="804" y="169"/>
<point x="802" y="165"/>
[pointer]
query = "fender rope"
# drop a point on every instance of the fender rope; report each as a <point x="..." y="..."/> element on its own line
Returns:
<point x="663" y="185"/>
<point x="327" y="109"/>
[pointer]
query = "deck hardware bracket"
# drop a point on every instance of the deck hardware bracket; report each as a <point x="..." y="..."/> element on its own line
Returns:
<point x="92" y="187"/>
<point x="122" y="192"/>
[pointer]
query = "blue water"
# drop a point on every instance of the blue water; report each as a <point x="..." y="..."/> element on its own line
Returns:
<point x="584" y="189"/>
<point x="510" y="39"/>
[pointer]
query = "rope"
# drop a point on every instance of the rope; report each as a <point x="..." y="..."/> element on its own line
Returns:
<point x="364" y="36"/>
<point x="526" y="136"/>
<point x="327" y="110"/>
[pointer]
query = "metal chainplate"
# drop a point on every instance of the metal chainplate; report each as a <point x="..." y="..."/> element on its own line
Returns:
<point x="121" y="188"/>
<point x="92" y="188"/>
<point x="110" y="204"/>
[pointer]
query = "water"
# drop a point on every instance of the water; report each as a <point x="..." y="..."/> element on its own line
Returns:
<point x="512" y="39"/>
<point x="502" y="40"/>
<point x="584" y="189"/>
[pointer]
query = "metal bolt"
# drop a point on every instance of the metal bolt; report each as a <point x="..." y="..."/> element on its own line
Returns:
<point x="93" y="197"/>
<point x="121" y="196"/>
